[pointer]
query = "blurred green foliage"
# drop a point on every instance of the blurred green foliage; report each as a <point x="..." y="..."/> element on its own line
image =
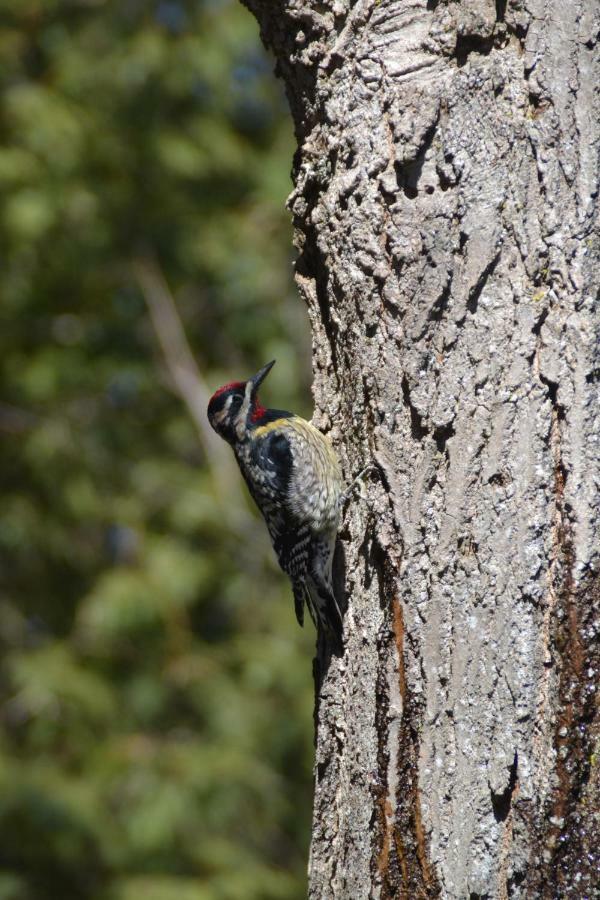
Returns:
<point x="156" y="694"/>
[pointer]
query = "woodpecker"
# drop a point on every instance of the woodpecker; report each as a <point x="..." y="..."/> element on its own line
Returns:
<point x="294" y="477"/>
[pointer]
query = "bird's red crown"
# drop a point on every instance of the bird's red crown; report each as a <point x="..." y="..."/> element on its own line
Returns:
<point x="227" y="387"/>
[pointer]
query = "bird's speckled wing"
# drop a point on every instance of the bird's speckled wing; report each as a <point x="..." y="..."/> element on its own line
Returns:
<point x="316" y="478"/>
<point x="299" y="473"/>
<point x="298" y="492"/>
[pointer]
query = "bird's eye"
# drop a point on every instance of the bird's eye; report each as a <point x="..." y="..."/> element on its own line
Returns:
<point x="236" y="400"/>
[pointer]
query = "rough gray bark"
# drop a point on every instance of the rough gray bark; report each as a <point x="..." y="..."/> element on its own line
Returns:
<point x="446" y="188"/>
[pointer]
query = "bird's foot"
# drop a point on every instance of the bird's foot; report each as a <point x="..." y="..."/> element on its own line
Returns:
<point x="358" y="482"/>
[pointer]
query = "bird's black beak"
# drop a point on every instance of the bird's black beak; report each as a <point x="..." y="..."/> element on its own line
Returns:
<point x="260" y="376"/>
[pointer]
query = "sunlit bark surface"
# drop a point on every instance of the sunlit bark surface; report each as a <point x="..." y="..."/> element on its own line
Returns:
<point x="445" y="203"/>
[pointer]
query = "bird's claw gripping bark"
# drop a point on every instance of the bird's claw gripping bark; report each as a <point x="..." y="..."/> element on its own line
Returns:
<point x="358" y="481"/>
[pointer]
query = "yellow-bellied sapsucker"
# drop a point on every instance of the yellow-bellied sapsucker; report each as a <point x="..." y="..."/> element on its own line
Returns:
<point x="294" y="477"/>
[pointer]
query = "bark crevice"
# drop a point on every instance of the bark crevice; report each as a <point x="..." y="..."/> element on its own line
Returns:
<point x="501" y="803"/>
<point x="400" y="863"/>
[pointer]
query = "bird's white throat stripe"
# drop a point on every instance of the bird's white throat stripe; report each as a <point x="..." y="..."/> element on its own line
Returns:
<point x="244" y="410"/>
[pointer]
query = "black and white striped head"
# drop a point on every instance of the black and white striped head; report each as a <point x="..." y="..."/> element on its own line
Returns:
<point x="235" y="407"/>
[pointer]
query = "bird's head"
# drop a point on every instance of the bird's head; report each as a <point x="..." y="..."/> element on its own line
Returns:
<point x="235" y="407"/>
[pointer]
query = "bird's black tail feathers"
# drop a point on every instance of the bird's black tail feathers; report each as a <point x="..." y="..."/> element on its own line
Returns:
<point x="324" y="611"/>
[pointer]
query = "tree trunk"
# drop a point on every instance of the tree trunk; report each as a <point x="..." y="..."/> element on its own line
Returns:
<point x="446" y="188"/>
